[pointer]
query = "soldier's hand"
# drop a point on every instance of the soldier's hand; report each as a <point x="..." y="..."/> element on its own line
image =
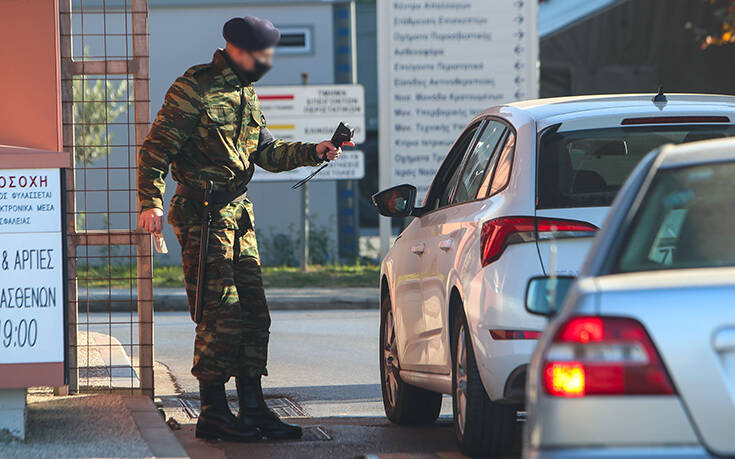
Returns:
<point x="326" y="148"/>
<point x="151" y="220"/>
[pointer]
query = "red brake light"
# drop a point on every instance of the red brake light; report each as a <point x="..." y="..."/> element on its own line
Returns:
<point x="498" y="233"/>
<point x="604" y="356"/>
<point x="675" y="120"/>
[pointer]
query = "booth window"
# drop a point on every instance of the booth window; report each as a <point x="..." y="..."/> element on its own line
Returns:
<point x="295" y="40"/>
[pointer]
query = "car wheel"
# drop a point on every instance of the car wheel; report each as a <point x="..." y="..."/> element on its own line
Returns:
<point x="404" y="404"/>
<point x="484" y="428"/>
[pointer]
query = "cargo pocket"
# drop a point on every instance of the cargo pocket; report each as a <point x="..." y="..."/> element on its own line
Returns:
<point x="246" y="245"/>
<point x="223" y="118"/>
<point x="220" y="281"/>
<point x="221" y="114"/>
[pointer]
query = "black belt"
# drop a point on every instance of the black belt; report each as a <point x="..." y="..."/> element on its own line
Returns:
<point x="215" y="197"/>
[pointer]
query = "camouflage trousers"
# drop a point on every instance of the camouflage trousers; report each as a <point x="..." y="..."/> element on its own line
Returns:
<point x="232" y="338"/>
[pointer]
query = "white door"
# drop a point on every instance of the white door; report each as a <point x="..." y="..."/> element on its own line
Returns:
<point x="450" y="230"/>
<point x="421" y="321"/>
<point x="407" y="252"/>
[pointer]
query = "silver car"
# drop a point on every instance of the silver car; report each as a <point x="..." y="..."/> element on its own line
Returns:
<point x="640" y="360"/>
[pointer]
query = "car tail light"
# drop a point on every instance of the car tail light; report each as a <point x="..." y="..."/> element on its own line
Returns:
<point x="497" y="234"/>
<point x="603" y="356"/>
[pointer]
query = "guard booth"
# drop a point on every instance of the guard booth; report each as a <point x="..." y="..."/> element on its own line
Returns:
<point x="76" y="306"/>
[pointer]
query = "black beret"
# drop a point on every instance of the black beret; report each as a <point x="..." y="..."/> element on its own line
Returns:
<point x="251" y="33"/>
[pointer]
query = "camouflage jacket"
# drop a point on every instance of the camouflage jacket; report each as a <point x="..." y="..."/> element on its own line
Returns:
<point x="211" y="128"/>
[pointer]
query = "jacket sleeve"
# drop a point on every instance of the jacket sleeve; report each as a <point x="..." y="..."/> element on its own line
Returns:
<point x="276" y="155"/>
<point x="172" y="127"/>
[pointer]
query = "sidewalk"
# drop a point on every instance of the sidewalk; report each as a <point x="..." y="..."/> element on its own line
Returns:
<point x="93" y="425"/>
<point x="174" y="299"/>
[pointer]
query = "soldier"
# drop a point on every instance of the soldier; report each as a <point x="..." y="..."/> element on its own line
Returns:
<point x="210" y="128"/>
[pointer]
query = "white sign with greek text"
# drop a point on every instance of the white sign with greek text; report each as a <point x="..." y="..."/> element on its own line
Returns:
<point x="312" y="113"/>
<point x="440" y="64"/>
<point x="30" y="200"/>
<point x="31" y="266"/>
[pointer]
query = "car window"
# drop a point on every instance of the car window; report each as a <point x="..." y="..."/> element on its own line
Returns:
<point x="685" y="221"/>
<point x="586" y="168"/>
<point x="479" y="162"/>
<point x="443" y="184"/>
<point x="501" y="174"/>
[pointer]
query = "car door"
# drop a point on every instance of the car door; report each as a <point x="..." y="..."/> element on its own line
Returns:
<point x="448" y="234"/>
<point x="410" y="249"/>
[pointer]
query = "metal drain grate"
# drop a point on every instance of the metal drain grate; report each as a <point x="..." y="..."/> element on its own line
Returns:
<point x="282" y="406"/>
<point x="189" y="407"/>
<point x="285" y="408"/>
<point x="315" y="433"/>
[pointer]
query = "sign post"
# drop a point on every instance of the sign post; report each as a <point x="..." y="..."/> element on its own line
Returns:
<point x="32" y="280"/>
<point x="440" y="64"/>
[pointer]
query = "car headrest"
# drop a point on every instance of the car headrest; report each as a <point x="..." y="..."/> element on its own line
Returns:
<point x="611" y="148"/>
<point x="588" y="182"/>
<point x="697" y="136"/>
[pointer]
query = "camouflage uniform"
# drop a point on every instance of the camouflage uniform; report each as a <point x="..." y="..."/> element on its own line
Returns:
<point x="211" y="128"/>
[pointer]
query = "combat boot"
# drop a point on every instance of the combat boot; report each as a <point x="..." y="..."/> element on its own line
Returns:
<point x="216" y="421"/>
<point x="255" y="413"/>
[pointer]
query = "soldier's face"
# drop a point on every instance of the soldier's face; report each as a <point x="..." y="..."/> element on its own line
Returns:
<point x="247" y="60"/>
<point x="264" y="56"/>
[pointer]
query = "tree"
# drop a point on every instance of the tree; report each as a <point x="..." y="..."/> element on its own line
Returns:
<point x="721" y="30"/>
<point x="96" y="105"/>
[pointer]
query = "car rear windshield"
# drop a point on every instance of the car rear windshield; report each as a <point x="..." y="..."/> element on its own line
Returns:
<point x="685" y="220"/>
<point x="586" y="168"/>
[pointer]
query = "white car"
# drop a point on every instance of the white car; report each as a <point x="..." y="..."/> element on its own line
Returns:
<point x="640" y="362"/>
<point x="453" y="286"/>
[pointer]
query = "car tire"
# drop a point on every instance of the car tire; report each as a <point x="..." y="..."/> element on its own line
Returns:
<point x="404" y="404"/>
<point x="483" y="428"/>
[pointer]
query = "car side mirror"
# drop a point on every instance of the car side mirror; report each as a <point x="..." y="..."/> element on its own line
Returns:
<point x="398" y="201"/>
<point x="545" y="295"/>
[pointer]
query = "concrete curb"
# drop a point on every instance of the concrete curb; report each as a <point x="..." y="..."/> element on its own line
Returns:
<point x="279" y="299"/>
<point x="155" y="432"/>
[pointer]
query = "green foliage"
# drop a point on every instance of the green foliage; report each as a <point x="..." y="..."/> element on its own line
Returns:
<point x="720" y="29"/>
<point x="283" y="249"/>
<point x="278" y="249"/>
<point x="96" y="105"/>
<point x="125" y="276"/>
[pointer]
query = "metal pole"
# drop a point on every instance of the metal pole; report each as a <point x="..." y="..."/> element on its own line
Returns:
<point x="384" y="118"/>
<point x="305" y="226"/>
<point x="67" y="108"/>
<point x="144" y="253"/>
<point x="354" y="184"/>
<point x="305" y="208"/>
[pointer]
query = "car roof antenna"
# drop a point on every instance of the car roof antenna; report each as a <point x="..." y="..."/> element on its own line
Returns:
<point x="660" y="97"/>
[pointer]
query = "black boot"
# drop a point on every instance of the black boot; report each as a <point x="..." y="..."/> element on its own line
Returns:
<point x="255" y="413"/>
<point x="216" y="421"/>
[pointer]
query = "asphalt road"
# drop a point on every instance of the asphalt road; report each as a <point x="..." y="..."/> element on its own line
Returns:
<point x="326" y="363"/>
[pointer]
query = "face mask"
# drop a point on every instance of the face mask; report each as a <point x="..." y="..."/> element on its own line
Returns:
<point x="259" y="69"/>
